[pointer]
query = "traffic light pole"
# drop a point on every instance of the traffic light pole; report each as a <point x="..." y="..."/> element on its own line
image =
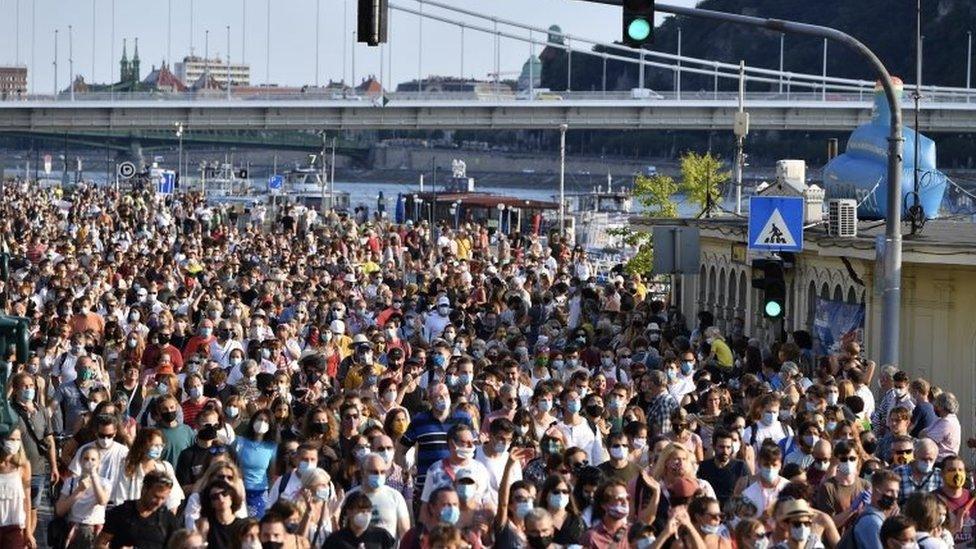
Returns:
<point x="890" y="320"/>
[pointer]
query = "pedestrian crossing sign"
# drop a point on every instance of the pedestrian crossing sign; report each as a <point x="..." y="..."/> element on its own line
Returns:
<point x="776" y="223"/>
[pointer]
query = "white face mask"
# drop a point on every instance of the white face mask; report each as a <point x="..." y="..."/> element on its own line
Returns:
<point x="11" y="446"/>
<point x="261" y="427"/>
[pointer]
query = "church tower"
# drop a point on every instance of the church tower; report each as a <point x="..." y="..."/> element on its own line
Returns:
<point x="124" y="64"/>
<point x="134" y="68"/>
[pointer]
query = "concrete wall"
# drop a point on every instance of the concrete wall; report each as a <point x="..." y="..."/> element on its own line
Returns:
<point x="496" y="161"/>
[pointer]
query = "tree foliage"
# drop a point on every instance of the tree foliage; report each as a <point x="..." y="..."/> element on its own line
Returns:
<point x="702" y="178"/>
<point x="654" y="193"/>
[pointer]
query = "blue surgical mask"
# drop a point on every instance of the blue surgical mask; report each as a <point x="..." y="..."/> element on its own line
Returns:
<point x="544" y="405"/>
<point x="155" y="452"/>
<point x="522" y="508"/>
<point x="323" y="493"/>
<point x="573" y="406"/>
<point x="303" y="467"/>
<point x="465" y="491"/>
<point x="687" y="367"/>
<point x="464" y="378"/>
<point x="558" y="501"/>
<point x="450" y="514"/>
<point x="375" y="481"/>
<point x="27" y="394"/>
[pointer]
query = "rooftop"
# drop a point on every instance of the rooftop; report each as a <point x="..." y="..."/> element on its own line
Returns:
<point x="940" y="240"/>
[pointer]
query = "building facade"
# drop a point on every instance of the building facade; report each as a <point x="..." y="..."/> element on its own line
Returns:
<point x="13" y="81"/>
<point x="938" y="294"/>
<point x="192" y="68"/>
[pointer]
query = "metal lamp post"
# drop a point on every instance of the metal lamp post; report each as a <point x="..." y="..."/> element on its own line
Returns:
<point x="562" y="179"/>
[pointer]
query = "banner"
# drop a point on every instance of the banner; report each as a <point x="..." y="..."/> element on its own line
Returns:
<point x="836" y="323"/>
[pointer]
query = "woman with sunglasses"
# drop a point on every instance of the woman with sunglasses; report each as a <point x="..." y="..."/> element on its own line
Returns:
<point x="707" y="518"/>
<point x="556" y="497"/>
<point x="751" y="533"/>
<point x="218" y="507"/>
<point x="221" y="468"/>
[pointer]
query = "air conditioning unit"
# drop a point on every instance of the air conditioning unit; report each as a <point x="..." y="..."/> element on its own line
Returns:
<point x="842" y="215"/>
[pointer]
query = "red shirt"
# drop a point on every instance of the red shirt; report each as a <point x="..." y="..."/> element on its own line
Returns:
<point x="599" y="537"/>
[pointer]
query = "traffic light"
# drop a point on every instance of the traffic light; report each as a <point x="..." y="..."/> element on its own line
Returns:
<point x="14" y="337"/>
<point x="373" y="22"/>
<point x="638" y="22"/>
<point x="773" y="285"/>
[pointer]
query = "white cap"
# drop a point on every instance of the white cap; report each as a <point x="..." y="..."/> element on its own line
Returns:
<point x="443" y="300"/>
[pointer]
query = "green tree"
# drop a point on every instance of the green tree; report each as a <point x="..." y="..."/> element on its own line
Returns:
<point x="702" y="178"/>
<point x="655" y="194"/>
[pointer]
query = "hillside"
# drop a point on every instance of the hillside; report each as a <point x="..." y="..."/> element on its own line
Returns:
<point x="885" y="26"/>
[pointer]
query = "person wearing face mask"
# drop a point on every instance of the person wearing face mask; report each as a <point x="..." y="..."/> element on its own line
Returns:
<point x="794" y="524"/>
<point x="160" y="345"/>
<point x="920" y="475"/>
<point x="256" y="448"/>
<point x="802" y="453"/>
<point x="494" y="455"/>
<point x="576" y="430"/>
<point x="223" y="344"/>
<point x="611" y="509"/>
<point x="390" y="510"/>
<point x="82" y="502"/>
<point x="202" y="340"/>
<point x="946" y="431"/>
<point x="362" y="370"/>
<point x="145" y="457"/>
<point x="620" y="467"/>
<point x="958" y="501"/>
<point x="34" y="423"/>
<point x="195" y="400"/>
<point x="542" y="409"/>
<point x="15" y="506"/>
<point x="444" y="512"/>
<point x="844" y="494"/>
<point x="768" y="484"/>
<point x="72" y="397"/>
<point x="508" y="397"/>
<point x="767" y="425"/>
<point x="662" y="404"/>
<point x="193" y="460"/>
<point x="866" y="528"/>
<point x="177" y="435"/>
<point x="706" y="515"/>
<point x="438" y="319"/>
<point x="461" y="446"/>
<point x="429" y="431"/>
<point x="822" y="460"/>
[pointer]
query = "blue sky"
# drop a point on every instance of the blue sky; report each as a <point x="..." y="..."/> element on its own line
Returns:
<point x="292" y="52"/>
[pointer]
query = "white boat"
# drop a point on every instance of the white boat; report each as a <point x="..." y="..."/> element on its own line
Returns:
<point x="307" y="186"/>
<point x="596" y="214"/>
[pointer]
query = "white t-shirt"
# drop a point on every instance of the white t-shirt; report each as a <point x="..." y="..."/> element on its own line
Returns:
<point x="496" y="468"/>
<point x="112" y="461"/>
<point x="865" y="393"/>
<point x="762" y="497"/>
<point x="389" y="508"/>
<point x="290" y="491"/>
<point x="437" y="476"/>
<point x="85" y="510"/>
<point x="130" y="487"/>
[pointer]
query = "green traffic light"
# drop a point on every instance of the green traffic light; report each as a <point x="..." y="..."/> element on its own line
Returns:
<point x="773" y="309"/>
<point x="639" y="29"/>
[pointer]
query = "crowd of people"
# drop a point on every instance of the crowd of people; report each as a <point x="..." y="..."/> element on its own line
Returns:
<point x="203" y="378"/>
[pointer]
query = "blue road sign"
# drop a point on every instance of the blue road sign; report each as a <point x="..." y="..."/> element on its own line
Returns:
<point x="168" y="183"/>
<point x="275" y="182"/>
<point x="776" y="223"/>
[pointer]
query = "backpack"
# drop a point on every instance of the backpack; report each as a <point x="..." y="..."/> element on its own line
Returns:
<point x="848" y="541"/>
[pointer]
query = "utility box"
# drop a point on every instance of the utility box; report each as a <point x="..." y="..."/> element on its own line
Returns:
<point x="677" y="250"/>
<point x="813" y="204"/>
<point x="842" y="214"/>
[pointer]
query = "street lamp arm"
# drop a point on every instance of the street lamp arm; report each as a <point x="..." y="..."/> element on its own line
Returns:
<point x="893" y="242"/>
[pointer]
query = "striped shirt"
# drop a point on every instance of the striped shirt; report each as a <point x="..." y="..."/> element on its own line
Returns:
<point x="430" y="436"/>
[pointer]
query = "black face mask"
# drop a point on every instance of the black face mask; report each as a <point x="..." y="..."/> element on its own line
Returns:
<point x="886" y="502"/>
<point x="208" y="432"/>
<point x="539" y="542"/>
<point x="292" y="527"/>
<point x="320" y="427"/>
<point x="163" y="339"/>
<point x="594" y="410"/>
<point x="168" y="417"/>
<point x="272" y="545"/>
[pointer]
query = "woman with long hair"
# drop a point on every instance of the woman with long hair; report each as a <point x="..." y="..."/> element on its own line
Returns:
<point x="256" y="447"/>
<point x="16" y="531"/>
<point x="219" y="505"/>
<point x="556" y="497"/>
<point x="82" y="501"/>
<point x="146" y="456"/>
<point x="220" y="468"/>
